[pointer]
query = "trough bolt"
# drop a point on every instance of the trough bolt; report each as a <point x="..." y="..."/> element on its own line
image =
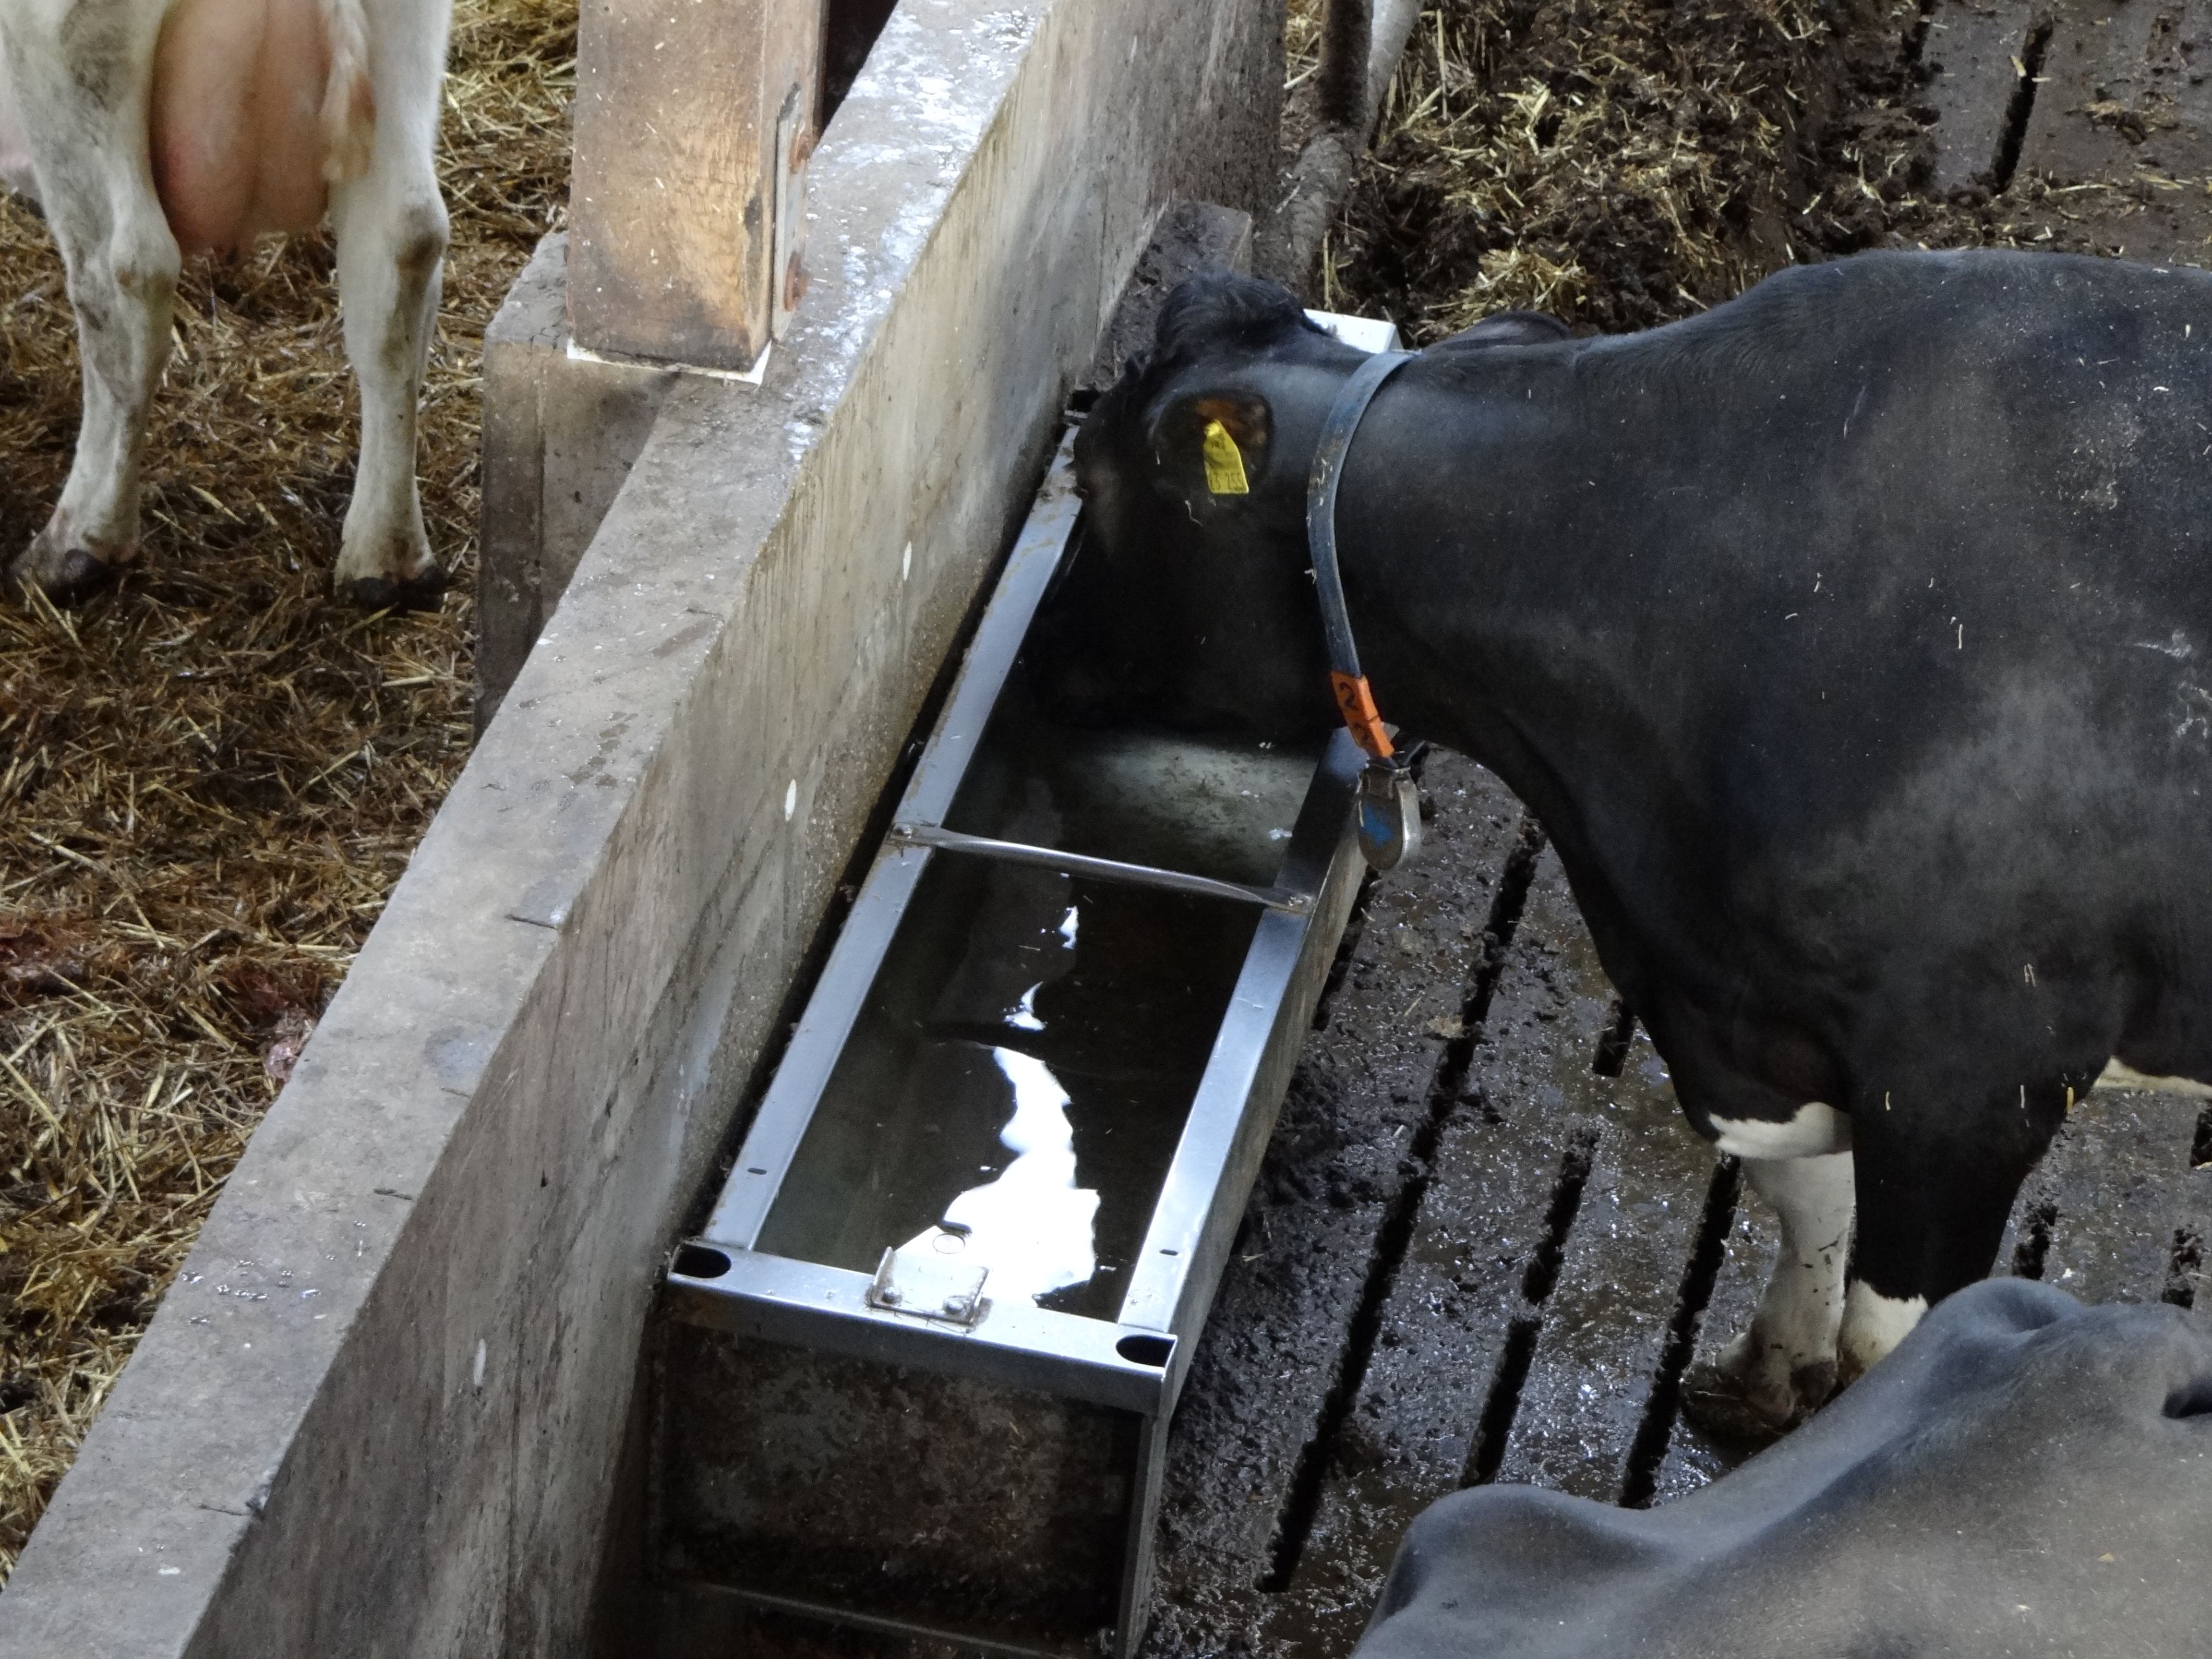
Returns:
<point x="888" y="1295"/>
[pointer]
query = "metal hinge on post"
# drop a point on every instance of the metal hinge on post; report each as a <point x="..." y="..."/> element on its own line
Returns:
<point x="787" y="239"/>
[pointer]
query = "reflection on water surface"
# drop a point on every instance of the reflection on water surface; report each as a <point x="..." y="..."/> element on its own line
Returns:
<point x="1015" y="1086"/>
<point x="1031" y="1226"/>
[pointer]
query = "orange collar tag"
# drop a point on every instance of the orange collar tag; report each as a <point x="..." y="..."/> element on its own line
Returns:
<point x="1356" y="703"/>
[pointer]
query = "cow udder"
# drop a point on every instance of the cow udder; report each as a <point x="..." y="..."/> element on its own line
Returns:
<point x="255" y="106"/>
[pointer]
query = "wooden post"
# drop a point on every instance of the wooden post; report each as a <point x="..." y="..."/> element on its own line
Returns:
<point x="693" y="122"/>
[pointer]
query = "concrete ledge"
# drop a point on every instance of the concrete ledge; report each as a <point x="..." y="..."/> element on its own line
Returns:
<point x="380" y="1411"/>
<point x="560" y="436"/>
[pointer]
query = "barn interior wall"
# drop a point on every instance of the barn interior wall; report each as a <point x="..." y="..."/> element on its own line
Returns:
<point x="381" y="1410"/>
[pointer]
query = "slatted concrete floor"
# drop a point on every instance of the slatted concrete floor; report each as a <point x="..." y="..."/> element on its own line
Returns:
<point x="1485" y="1247"/>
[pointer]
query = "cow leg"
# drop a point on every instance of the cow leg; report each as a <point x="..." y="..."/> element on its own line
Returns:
<point x="1774" y="1375"/>
<point x="1932" y="1207"/>
<point x="391" y="227"/>
<point x="83" y="100"/>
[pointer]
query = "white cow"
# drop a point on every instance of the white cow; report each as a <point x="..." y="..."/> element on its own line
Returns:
<point x="149" y="129"/>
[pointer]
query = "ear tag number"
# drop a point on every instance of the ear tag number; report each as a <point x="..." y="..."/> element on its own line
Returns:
<point x="1225" y="462"/>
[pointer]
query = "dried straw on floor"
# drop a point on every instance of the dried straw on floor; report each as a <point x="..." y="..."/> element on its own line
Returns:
<point x="211" y="779"/>
<point x="1622" y="165"/>
<point x="1617" y="165"/>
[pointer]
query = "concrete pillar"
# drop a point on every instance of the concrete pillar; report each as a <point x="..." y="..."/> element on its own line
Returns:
<point x="560" y="434"/>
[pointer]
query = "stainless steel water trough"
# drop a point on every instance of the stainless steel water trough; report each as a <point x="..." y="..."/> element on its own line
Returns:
<point x="880" y="1412"/>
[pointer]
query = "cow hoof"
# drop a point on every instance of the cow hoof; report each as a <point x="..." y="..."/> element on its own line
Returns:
<point x="71" y="579"/>
<point x="423" y="591"/>
<point x="1722" y="1402"/>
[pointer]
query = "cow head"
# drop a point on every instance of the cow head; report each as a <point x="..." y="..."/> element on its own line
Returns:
<point x="1189" y="600"/>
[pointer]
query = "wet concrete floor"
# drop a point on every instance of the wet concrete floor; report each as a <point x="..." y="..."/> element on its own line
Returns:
<point x="1485" y="1247"/>
<point x="2093" y="116"/>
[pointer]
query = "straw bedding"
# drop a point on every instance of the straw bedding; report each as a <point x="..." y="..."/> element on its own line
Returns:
<point x="210" y="778"/>
<point x="1623" y="165"/>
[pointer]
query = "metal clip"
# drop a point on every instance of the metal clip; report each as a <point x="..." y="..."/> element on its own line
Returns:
<point x="926" y="1285"/>
<point x="1390" y="808"/>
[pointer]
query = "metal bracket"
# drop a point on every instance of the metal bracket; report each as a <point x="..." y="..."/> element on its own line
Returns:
<point x="924" y="1285"/>
<point x="787" y="236"/>
<point x="1082" y="864"/>
<point x="1390" y="808"/>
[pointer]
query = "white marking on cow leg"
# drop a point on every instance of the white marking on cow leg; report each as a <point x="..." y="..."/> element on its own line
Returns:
<point x="1873" y="1325"/>
<point x="2117" y="1074"/>
<point x="391" y="227"/>
<point x="1814" y="1132"/>
<point x="1786" y="1362"/>
<point x="90" y="161"/>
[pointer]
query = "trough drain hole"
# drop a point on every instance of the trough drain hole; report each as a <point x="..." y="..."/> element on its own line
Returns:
<point x="2021" y="106"/>
<point x="1143" y="1350"/>
<point x="1495" y="1426"/>
<point x="1641" y="1481"/>
<point x="698" y="1262"/>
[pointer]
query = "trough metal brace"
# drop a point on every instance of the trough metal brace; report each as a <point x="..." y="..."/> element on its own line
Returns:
<point x="1082" y="864"/>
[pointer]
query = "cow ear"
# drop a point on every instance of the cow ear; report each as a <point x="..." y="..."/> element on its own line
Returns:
<point x="1213" y="444"/>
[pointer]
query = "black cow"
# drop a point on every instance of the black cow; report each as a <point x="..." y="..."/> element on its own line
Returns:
<point x="2025" y="1477"/>
<point x="1846" y="639"/>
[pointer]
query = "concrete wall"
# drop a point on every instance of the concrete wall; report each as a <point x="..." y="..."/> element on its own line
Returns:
<point x="379" y="1411"/>
<point x="560" y="437"/>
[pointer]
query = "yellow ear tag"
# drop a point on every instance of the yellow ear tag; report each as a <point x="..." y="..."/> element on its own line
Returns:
<point x="1225" y="464"/>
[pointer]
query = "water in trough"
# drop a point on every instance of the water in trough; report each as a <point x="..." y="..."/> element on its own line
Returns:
<point x="1018" y="1080"/>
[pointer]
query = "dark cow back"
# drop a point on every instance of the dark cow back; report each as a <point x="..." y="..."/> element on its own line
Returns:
<point x="2023" y="1476"/>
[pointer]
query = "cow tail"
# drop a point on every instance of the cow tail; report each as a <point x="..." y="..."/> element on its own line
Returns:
<point x="349" y="112"/>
